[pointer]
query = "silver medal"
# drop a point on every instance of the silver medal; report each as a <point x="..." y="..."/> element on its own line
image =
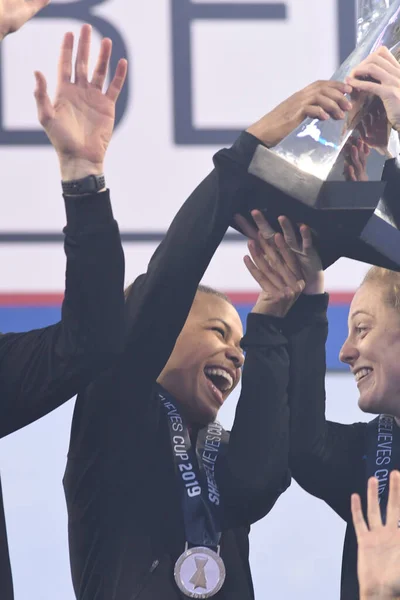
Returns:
<point x="199" y="572"/>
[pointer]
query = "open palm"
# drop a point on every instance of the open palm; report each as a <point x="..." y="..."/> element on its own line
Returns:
<point x="15" y="13"/>
<point x="80" y="122"/>
<point x="381" y="550"/>
<point x="301" y="245"/>
<point x="378" y="543"/>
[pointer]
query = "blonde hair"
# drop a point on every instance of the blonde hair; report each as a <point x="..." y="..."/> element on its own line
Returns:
<point x="388" y="280"/>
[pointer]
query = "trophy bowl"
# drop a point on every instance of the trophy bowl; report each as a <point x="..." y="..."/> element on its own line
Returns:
<point x="304" y="176"/>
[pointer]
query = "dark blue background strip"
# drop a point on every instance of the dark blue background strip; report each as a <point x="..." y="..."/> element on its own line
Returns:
<point x="23" y="318"/>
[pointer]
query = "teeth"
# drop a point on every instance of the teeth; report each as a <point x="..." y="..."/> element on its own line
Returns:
<point x="220" y="373"/>
<point x="361" y="373"/>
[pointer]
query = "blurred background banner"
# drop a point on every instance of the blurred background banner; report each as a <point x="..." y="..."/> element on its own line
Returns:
<point x="199" y="73"/>
<point x="23" y="311"/>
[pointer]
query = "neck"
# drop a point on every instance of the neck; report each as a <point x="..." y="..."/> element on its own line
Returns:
<point x="193" y="422"/>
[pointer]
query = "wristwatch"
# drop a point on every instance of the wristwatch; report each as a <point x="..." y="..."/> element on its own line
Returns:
<point x="86" y="185"/>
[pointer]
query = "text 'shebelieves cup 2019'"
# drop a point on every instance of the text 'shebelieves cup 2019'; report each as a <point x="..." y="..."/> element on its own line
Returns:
<point x="303" y="177"/>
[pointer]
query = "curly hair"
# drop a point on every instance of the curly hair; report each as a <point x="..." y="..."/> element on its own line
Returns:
<point x="204" y="289"/>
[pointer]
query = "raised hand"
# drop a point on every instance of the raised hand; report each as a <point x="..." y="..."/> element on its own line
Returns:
<point x="15" y="13"/>
<point x="382" y="67"/>
<point x="300" y="245"/>
<point x="320" y="100"/>
<point x="378" y="544"/>
<point x="80" y="122"/>
<point x="275" y="268"/>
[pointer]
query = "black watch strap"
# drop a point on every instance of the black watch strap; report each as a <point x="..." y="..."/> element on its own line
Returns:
<point x="87" y="185"/>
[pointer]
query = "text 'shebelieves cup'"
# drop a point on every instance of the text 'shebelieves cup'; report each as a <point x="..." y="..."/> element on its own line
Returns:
<point x="304" y="177"/>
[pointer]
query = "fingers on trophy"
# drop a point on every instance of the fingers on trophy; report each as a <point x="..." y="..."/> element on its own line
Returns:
<point x="333" y="171"/>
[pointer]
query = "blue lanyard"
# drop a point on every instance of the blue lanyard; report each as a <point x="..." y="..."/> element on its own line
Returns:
<point x="195" y="474"/>
<point x="383" y="454"/>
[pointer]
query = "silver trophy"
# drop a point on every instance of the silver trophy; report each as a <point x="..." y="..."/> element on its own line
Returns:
<point x="304" y="176"/>
<point x="368" y="12"/>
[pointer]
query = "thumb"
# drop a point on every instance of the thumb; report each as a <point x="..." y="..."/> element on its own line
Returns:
<point x="43" y="103"/>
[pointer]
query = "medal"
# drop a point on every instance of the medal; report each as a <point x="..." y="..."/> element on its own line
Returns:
<point x="199" y="572"/>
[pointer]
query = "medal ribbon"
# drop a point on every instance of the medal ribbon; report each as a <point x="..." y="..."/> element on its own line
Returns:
<point x="383" y="455"/>
<point x="195" y="473"/>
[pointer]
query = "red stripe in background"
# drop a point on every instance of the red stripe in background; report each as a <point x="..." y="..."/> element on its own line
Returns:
<point x="250" y="297"/>
<point x="13" y="299"/>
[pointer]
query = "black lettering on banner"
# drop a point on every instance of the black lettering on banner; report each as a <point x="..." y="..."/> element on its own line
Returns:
<point x="79" y="10"/>
<point x="184" y="13"/>
<point x="347" y="19"/>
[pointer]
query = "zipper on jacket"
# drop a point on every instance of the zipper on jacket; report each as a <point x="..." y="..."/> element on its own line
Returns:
<point x="154" y="565"/>
<point x="146" y="578"/>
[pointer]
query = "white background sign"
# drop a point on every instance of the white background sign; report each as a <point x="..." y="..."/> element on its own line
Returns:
<point x="240" y="69"/>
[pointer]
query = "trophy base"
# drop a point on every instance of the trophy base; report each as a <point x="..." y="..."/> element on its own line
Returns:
<point x="342" y="215"/>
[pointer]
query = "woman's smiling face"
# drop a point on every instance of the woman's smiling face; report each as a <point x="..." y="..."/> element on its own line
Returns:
<point x="372" y="349"/>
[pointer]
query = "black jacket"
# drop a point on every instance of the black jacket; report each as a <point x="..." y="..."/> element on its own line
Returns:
<point x="42" y="369"/>
<point x="327" y="459"/>
<point x="125" y="517"/>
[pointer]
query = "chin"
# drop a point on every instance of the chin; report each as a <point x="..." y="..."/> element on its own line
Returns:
<point x="206" y="414"/>
<point x="371" y="405"/>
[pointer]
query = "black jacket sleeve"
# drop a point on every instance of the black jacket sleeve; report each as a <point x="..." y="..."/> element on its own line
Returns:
<point x="255" y="471"/>
<point x="159" y="301"/>
<point x="41" y="369"/>
<point x="323" y="455"/>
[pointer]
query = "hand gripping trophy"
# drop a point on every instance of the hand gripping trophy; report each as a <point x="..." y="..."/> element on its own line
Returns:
<point x="304" y="177"/>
